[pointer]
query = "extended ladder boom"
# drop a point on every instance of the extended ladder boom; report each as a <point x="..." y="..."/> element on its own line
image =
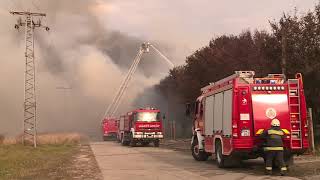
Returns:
<point x="113" y="107"/>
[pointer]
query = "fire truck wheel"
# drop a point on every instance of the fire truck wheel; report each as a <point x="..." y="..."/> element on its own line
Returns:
<point x="196" y="153"/>
<point x="123" y="142"/>
<point x="288" y="159"/>
<point x="145" y="143"/>
<point x="219" y="156"/>
<point x="105" y="138"/>
<point x="132" y="142"/>
<point x="118" y="139"/>
<point x="156" y="143"/>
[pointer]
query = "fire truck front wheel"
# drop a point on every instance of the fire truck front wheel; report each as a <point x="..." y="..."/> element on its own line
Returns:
<point x="156" y="143"/>
<point x="105" y="138"/>
<point x="133" y="142"/>
<point x="197" y="154"/>
<point x="123" y="141"/>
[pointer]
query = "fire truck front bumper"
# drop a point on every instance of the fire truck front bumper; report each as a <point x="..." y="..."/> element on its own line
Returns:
<point x="145" y="135"/>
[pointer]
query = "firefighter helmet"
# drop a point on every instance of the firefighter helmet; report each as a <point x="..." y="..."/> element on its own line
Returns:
<point x="275" y="122"/>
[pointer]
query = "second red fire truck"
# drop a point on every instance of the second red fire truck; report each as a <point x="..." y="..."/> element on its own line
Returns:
<point x="109" y="128"/>
<point x="230" y="115"/>
<point x="141" y="126"/>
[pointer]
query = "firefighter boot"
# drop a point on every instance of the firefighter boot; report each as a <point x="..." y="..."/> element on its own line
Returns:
<point x="283" y="171"/>
<point x="268" y="171"/>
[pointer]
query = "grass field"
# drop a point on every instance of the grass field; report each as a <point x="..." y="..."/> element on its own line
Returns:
<point x="49" y="159"/>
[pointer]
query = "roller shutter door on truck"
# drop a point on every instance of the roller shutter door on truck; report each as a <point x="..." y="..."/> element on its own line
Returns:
<point x="218" y="112"/>
<point x="122" y="123"/>
<point x="208" y="115"/>
<point x="227" y="112"/>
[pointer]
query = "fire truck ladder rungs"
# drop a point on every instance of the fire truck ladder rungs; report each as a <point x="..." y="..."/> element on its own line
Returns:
<point x="125" y="86"/>
<point x="295" y="115"/>
<point x="116" y="100"/>
<point x="113" y="107"/>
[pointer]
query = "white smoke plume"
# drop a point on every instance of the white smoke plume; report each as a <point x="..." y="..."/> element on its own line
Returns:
<point x="80" y="65"/>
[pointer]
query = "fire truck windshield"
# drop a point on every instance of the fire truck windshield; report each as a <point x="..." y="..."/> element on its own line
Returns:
<point x="147" y="116"/>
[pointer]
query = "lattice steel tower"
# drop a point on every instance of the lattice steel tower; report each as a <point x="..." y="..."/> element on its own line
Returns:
<point x="30" y="103"/>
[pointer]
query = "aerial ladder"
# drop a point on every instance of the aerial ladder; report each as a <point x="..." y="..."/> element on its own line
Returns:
<point x="144" y="48"/>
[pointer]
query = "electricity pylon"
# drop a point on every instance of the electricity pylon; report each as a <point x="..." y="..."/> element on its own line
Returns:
<point x="30" y="103"/>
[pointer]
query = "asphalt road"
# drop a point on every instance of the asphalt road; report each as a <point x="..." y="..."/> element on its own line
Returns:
<point x="149" y="163"/>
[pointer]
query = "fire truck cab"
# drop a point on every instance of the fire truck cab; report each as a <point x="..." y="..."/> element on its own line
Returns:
<point x="231" y="113"/>
<point x="109" y="128"/>
<point x="141" y="126"/>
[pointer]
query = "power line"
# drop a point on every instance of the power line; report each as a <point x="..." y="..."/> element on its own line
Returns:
<point x="30" y="103"/>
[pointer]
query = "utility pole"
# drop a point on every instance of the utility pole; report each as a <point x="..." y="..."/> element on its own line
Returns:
<point x="283" y="50"/>
<point x="30" y="103"/>
<point x="311" y="135"/>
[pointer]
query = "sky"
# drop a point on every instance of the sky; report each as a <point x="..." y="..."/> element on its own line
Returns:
<point x="91" y="45"/>
<point x="194" y="22"/>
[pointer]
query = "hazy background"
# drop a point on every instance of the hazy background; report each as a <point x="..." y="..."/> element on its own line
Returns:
<point x="91" y="45"/>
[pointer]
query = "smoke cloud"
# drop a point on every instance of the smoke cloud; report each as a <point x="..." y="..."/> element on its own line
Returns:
<point x="82" y="60"/>
<point x="80" y="65"/>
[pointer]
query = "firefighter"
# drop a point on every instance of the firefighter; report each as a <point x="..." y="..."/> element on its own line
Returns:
<point x="274" y="147"/>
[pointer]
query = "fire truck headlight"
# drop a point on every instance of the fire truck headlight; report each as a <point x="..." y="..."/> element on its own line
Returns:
<point x="274" y="88"/>
<point x="138" y="132"/>
<point x="278" y="88"/>
<point x="267" y="88"/>
<point x="262" y="88"/>
<point x="159" y="132"/>
<point x="282" y="88"/>
<point x="255" y="88"/>
<point x="259" y="88"/>
<point x="245" y="132"/>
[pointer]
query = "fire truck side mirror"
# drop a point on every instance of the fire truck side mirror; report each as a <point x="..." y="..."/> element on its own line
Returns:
<point x="164" y="117"/>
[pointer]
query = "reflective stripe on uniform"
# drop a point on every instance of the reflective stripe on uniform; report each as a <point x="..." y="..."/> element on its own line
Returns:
<point x="285" y="131"/>
<point x="273" y="148"/>
<point x="260" y="131"/>
<point x="275" y="132"/>
<point x="283" y="168"/>
<point x="269" y="168"/>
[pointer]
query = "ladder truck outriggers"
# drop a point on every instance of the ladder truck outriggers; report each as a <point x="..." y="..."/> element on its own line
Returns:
<point x="231" y="113"/>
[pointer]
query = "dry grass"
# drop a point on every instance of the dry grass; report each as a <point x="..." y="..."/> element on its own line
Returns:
<point x="49" y="138"/>
<point x="53" y="152"/>
<point x="26" y="162"/>
<point x="60" y="138"/>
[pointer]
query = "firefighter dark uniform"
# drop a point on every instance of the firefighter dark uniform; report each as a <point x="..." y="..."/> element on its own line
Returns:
<point x="274" y="147"/>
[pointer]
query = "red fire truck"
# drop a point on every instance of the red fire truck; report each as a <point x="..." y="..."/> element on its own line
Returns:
<point x="230" y="115"/>
<point x="109" y="128"/>
<point x="141" y="126"/>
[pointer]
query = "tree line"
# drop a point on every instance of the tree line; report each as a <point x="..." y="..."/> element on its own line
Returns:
<point x="293" y="37"/>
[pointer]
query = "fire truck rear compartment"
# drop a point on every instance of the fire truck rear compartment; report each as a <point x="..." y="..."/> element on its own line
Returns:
<point x="267" y="107"/>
